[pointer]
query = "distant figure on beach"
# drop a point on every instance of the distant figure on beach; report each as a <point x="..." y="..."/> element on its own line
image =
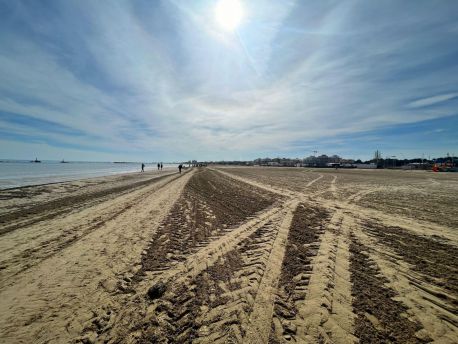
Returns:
<point x="143" y="167"/>
<point x="161" y="166"/>
<point x="180" y="167"/>
<point x="158" y="166"/>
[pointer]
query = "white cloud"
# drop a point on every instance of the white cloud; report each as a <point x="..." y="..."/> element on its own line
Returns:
<point x="432" y="100"/>
<point x="297" y="72"/>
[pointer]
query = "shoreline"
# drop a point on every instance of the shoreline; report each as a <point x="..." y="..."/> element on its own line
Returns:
<point x="64" y="178"/>
<point x="89" y="190"/>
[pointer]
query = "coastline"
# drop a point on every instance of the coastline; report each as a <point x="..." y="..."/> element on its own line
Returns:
<point x="23" y="198"/>
<point x="19" y="174"/>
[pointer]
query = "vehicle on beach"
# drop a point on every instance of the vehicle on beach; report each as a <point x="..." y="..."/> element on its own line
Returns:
<point x="445" y="167"/>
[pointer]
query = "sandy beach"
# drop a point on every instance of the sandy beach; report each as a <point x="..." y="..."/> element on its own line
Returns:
<point x="232" y="255"/>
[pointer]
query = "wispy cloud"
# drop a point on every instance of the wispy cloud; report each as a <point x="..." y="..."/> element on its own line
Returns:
<point x="161" y="81"/>
<point x="433" y="100"/>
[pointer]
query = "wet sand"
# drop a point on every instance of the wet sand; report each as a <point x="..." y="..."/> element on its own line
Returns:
<point x="232" y="255"/>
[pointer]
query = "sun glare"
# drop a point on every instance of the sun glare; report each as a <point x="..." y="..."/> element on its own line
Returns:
<point x="228" y="14"/>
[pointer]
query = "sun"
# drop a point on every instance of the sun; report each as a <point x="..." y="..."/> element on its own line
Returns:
<point x="228" y="14"/>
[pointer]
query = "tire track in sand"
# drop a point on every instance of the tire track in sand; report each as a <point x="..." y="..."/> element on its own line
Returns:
<point x="296" y="270"/>
<point x="338" y="324"/>
<point x="390" y="299"/>
<point x="433" y="307"/>
<point x="26" y="247"/>
<point x="181" y="274"/>
<point x="72" y="290"/>
<point x="21" y="218"/>
<point x="262" y="313"/>
<point x="314" y="181"/>
<point x="320" y="306"/>
<point x="283" y="192"/>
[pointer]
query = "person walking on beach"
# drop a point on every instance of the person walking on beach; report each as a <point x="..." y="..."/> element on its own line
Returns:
<point x="158" y="166"/>
<point x="143" y="167"/>
<point x="180" y="167"/>
<point x="161" y="166"/>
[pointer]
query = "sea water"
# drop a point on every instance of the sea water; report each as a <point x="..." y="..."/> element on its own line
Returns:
<point x="22" y="173"/>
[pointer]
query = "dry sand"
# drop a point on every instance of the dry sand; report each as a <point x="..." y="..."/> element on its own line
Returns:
<point x="234" y="255"/>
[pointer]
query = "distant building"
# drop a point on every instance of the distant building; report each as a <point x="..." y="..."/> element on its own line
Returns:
<point x="366" y="166"/>
<point x="283" y="162"/>
<point x="311" y="161"/>
<point x="322" y="160"/>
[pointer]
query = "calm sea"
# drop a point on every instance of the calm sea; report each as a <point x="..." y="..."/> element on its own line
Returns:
<point x="21" y="173"/>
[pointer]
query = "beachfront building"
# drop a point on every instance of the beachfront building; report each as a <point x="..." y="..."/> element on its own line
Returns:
<point x="369" y="166"/>
<point x="322" y="160"/>
<point x="279" y="162"/>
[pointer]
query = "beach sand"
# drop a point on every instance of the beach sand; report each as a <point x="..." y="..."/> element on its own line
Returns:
<point x="232" y="255"/>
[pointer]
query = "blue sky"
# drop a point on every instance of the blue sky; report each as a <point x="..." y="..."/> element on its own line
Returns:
<point x="161" y="80"/>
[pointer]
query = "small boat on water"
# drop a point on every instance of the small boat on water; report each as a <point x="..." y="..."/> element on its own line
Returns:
<point x="36" y="160"/>
<point x="64" y="162"/>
